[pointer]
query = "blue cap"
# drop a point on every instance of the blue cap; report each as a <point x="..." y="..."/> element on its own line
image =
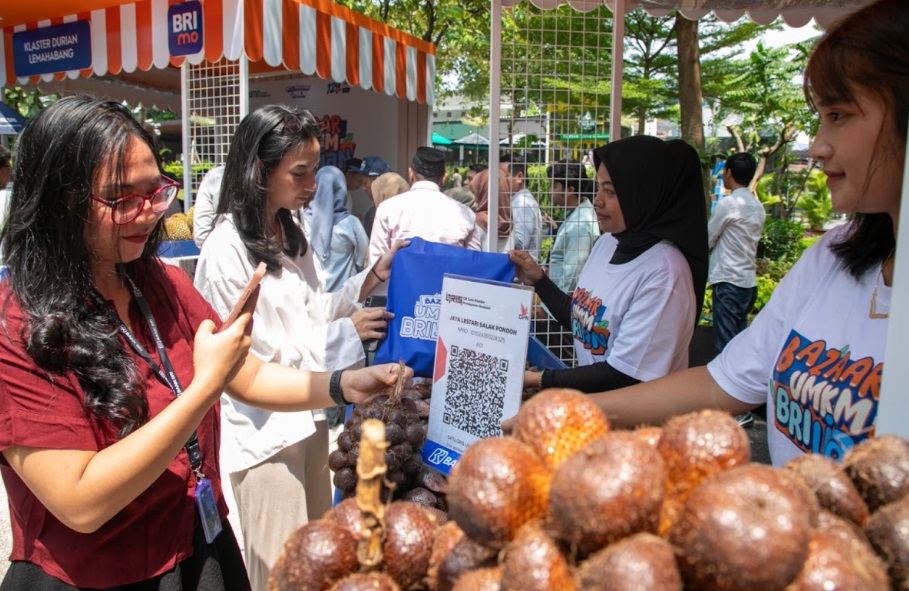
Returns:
<point x="374" y="166"/>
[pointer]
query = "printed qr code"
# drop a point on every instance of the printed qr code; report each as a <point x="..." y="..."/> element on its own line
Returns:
<point x="475" y="394"/>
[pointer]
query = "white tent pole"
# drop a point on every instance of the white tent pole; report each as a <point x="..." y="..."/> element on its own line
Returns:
<point x="495" y="102"/>
<point x="244" y="86"/>
<point x="893" y="407"/>
<point x="187" y="138"/>
<point x="618" y="66"/>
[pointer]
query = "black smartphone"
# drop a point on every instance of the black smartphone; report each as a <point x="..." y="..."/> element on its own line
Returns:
<point x="370" y="346"/>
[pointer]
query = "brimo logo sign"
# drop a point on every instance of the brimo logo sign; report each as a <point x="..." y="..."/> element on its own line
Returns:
<point x="184" y="30"/>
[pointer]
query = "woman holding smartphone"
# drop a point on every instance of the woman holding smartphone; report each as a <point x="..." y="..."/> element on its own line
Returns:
<point x="277" y="462"/>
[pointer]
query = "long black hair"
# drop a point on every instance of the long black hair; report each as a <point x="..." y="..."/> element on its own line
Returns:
<point x="59" y="154"/>
<point x="260" y="143"/>
<point x="869" y="50"/>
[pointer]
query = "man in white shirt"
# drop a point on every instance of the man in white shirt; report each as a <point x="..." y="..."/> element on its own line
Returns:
<point x="526" y="217"/>
<point x="734" y="231"/>
<point x="424" y="210"/>
<point x="206" y="204"/>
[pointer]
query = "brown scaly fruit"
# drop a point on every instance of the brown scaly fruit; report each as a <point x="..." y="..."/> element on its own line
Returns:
<point x="347" y="515"/>
<point x="534" y="562"/>
<point x="557" y="422"/>
<point x="191" y="216"/>
<point x="498" y="485"/>
<point x="314" y="557"/>
<point x="610" y="489"/>
<point x="649" y="435"/>
<point x="833" y="488"/>
<point x="879" y="467"/>
<point x="694" y="447"/>
<point x="366" y="582"/>
<point x="745" y="529"/>
<point x="453" y="555"/>
<point x="888" y="532"/>
<point x="641" y="561"/>
<point x="481" y="579"/>
<point x="409" y="532"/>
<point x="839" y="557"/>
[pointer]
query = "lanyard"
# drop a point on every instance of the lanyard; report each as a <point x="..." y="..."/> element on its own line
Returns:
<point x="167" y="375"/>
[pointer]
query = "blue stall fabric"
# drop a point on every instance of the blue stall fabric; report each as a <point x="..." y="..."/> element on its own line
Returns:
<point x="414" y="296"/>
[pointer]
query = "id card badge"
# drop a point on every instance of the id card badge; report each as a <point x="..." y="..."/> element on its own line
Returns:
<point x="208" y="510"/>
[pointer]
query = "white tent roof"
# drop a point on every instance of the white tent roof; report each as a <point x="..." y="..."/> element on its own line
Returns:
<point x="796" y="13"/>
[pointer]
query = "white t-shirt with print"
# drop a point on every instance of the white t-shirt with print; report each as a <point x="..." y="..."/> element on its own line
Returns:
<point x="639" y="316"/>
<point x="814" y="355"/>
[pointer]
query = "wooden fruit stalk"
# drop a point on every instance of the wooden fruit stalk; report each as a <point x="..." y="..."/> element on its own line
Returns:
<point x="371" y="469"/>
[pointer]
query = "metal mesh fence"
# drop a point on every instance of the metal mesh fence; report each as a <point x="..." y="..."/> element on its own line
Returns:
<point x="555" y="83"/>
<point x="214" y="114"/>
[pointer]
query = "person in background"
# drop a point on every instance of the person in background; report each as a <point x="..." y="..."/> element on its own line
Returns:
<point x="206" y="204"/>
<point x="527" y="218"/>
<point x="480" y="189"/>
<point x="734" y="231"/>
<point x="276" y="463"/>
<point x="472" y="171"/>
<point x="831" y="309"/>
<point x="579" y="229"/>
<point x="338" y="239"/>
<point x="385" y="187"/>
<point x="423" y="211"/>
<point x="5" y="173"/>
<point x="456" y="180"/>
<point x="371" y="168"/>
<point x="571" y="191"/>
<point x="111" y="367"/>
<point x="639" y="295"/>
<point x="463" y="195"/>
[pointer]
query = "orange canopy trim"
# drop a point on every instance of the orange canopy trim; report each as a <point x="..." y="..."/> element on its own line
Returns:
<point x="317" y="37"/>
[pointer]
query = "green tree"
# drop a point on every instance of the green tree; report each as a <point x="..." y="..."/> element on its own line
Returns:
<point x="764" y="91"/>
<point x="27" y="102"/>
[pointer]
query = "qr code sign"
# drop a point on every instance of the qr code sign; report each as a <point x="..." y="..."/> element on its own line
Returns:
<point x="475" y="393"/>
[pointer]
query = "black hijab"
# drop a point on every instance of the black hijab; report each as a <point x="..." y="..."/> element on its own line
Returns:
<point x="659" y="188"/>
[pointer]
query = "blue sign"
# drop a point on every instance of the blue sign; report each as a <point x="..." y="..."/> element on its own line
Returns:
<point x="184" y="28"/>
<point x="439" y="457"/>
<point x="53" y="49"/>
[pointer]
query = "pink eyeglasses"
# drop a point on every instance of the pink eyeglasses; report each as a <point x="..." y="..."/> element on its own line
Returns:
<point x="127" y="208"/>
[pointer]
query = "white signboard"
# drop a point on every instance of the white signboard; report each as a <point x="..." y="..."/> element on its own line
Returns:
<point x="479" y="368"/>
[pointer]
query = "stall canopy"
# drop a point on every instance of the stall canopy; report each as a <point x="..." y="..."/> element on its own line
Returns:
<point x="317" y="37"/>
<point x="795" y="13"/>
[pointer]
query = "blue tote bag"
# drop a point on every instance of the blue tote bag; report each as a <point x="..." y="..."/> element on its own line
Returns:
<point x="415" y="292"/>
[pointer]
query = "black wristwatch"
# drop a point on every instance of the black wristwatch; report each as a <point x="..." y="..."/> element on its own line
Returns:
<point x="334" y="388"/>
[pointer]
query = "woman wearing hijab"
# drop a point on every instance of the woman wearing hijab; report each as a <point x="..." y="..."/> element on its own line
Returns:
<point x="639" y="294"/>
<point x="480" y="189"/>
<point x="337" y="237"/>
<point x="386" y="186"/>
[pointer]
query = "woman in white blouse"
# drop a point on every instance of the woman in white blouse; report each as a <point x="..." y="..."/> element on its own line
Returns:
<point x="276" y="463"/>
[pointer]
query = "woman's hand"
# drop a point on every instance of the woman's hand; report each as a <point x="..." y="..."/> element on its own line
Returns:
<point x="218" y="356"/>
<point x="371" y="323"/>
<point x="532" y="379"/>
<point x="362" y="385"/>
<point x="383" y="265"/>
<point x="529" y="272"/>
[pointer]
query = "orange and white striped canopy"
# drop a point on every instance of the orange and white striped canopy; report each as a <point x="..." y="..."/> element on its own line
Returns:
<point x="317" y="37"/>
